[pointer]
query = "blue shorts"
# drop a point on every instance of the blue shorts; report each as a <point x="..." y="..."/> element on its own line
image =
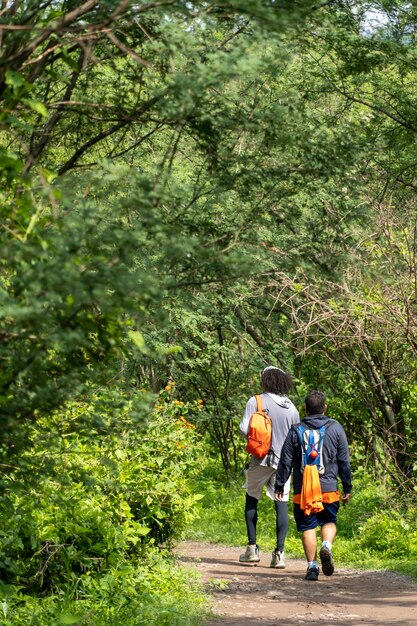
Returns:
<point x="309" y="522"/>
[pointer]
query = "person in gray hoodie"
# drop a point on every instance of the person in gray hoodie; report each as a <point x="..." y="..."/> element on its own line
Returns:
<point x="276" y="384"/>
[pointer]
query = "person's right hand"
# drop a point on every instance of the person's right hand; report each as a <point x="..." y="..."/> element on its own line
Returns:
<point x="278" y="495"/>
<point x="345" y="498"/>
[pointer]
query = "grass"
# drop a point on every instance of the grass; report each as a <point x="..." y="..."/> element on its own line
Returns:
<point x="371" y="535"/>
<point x="159" y="593"/>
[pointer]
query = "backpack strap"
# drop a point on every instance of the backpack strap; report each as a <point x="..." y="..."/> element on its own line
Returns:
<point x="301" y="427"/>
<point x="259" y="405"/>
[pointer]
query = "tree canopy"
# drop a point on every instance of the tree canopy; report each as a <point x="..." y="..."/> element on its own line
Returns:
<point x="191" y="191"/>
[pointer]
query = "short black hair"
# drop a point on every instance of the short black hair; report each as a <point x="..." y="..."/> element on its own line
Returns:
<point x="315" y="402"/>
<point x="275" y="380"/>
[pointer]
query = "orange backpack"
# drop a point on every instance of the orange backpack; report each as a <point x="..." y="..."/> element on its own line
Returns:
<point x="260" y="431"/>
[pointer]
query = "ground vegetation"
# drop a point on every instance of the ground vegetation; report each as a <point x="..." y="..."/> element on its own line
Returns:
<point x="191" y="191"/>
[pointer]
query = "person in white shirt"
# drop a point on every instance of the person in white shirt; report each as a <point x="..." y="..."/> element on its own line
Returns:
<point x="276" y="384"/>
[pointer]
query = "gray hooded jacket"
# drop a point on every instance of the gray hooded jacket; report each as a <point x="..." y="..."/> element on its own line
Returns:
<point x="283" y="415"/>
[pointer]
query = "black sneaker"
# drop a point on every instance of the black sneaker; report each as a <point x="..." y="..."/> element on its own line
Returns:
<point x="312" y="573"/>
<point x="326" y="559"/>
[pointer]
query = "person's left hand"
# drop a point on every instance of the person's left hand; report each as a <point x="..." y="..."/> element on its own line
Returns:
<point x="345" y="498"/>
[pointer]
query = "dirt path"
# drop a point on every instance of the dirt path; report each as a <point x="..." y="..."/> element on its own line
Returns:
<point x="266" y="597"/>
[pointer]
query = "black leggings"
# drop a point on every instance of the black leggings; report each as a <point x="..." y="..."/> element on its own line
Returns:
<point x="251" y="517"/>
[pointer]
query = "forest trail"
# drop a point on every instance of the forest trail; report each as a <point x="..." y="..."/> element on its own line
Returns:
<point x="266" y="597"/>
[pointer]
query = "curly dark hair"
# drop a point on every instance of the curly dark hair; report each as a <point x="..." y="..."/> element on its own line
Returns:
<point x="275" y="380"/>
<point x="315" y="402"/>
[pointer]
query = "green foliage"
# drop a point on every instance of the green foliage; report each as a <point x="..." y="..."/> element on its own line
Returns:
<point x="89" y="526"/>
<point x="154" y="592"/>
<point x="368" y="499"/>
<point x="66" y="293"/>
<point x="390" y="534"/>
<point x="374" y="530"/>
<point x="221" y="517"/>
<point x="226" y="167"/>
<point x="189" y="192"/>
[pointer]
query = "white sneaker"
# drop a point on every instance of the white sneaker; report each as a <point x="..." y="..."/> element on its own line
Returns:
<point x="277" y="560"/>
<point x="251" y="555"/>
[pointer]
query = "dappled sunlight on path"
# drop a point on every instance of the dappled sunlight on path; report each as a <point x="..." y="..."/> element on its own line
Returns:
<point x="259" y="595"/>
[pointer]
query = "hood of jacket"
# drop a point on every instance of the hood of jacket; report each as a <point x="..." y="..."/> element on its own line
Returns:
<point x="315" y="421"/>
<point x="282" y="401"/>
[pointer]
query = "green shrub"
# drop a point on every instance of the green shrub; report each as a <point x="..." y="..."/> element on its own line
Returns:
<point x="391" y="535"/>
<point x="154" y="592"/>
<point x="366" y="500"/>
<point x="88" y="532"/>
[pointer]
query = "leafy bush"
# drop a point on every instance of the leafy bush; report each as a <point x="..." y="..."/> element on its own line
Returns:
<point x="155" y="593"/>
<point x="366" y="500"/>
<point x="90" y="525"/>
<point x="390" y="534"/>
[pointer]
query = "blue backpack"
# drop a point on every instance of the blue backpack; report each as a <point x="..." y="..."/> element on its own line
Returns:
<point x="311" y="442"/>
